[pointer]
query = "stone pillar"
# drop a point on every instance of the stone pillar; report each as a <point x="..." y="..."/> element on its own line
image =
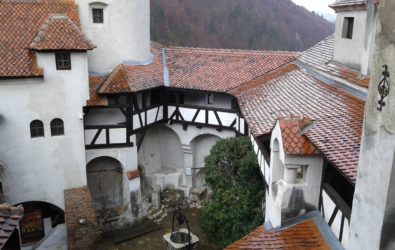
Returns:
<point x="373" y="214"/>
<point x="188" y="164"/>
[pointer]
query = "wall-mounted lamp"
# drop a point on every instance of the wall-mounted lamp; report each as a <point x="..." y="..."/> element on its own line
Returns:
<point x="384" y="87"/>
<point x="82" y="221"/>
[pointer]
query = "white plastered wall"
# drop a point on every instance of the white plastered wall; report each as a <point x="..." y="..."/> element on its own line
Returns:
<point x="41" y="168"/>
<point x="168" y="151"/>
<point x="350" y="51"/>
<point x="124" y="35"/>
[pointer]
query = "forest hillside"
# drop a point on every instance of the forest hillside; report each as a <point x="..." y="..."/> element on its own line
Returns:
<point x="239" y="24"/>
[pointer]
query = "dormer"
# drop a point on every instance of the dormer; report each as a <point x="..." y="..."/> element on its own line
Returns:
<point x="58" y="38"/>
<point x="61" y="48"/>
<point x="295" y="171"/>
<point x="354" y="33"/>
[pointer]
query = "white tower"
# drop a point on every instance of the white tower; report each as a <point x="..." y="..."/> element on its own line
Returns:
<point x="119" y="28"/>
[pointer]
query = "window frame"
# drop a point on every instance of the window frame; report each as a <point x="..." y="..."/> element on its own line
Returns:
<point x="94" y="9"/>
<point x="57" y="129"/>
<point x="37" y="129"/>
<point x="301" y="172"/>
<point x="61" y="60"/>
<point x="98" y="6"/>
<point x="348" y="27"/>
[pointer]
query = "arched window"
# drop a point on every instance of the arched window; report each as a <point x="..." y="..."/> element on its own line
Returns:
<point x="36" y="129"/>
<point x="57" y="127"/>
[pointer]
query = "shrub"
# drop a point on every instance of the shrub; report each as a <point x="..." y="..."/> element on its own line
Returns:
<point x="232" y="171"/>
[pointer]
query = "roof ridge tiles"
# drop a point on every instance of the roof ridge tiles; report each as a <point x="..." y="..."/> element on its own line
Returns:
<point x="235" y="50"/>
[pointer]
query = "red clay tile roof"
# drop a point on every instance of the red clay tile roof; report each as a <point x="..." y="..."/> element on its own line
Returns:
<point x="220" y="70"/>
<point x="95" y="99"/>
<point x="130" y="78"/>
<point x="338" y="116"/>
<point x="60" y="33"/>
<point x="320" y="58"/>
<point x="9" y="221"/>
<point x="20" y="23"/>
<point x="294" y="142"/>
<point x="304" y="235"/>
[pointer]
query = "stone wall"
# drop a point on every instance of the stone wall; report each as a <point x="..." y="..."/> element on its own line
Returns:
<point x="82" y="228"/>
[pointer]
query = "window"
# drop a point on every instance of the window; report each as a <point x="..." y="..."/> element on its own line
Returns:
<point x="36" y="129"/>
<point x="210" y="98"/>
<point x="348" y="27"/>
<point x="97" y="15"/>
<point x="63" y="61"/>
<point x="300" y="173"/>
<point x="57" y="127"/>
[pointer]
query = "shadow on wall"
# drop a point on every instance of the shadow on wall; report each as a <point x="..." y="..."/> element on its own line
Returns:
<point x="296" y="206"/>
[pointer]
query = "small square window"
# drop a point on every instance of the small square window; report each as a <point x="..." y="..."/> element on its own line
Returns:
<point x="63" y="61"/>
<point x="301" y="173"/>
<point x="210" y="98"/>
<point x="348" y="27"/>
<point x="97" y="15"/>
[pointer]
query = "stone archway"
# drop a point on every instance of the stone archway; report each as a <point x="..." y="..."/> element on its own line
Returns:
<point x="201" y="146"/>
<point x="105" y="183"/>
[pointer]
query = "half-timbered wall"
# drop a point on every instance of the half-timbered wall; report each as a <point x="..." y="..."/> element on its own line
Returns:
<point x="206" y="116"/>
<point x="335" y="212"/>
